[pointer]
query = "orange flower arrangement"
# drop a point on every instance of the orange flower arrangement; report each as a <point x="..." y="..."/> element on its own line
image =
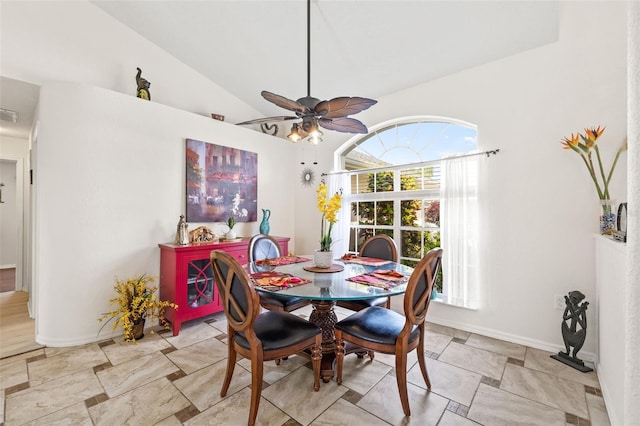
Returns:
<point x="584" y="144"/>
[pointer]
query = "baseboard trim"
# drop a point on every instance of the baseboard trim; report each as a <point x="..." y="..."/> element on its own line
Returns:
<point x="589" y="357"/>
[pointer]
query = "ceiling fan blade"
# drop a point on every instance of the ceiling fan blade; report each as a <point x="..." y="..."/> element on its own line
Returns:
<point x="285" y="103"/>
<point x="343" y="106"/>
<point x="268" y="120"/>
<point x="343" y="124"/>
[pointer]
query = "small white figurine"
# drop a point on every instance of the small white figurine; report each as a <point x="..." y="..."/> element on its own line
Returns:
<point x="182" y="233"/>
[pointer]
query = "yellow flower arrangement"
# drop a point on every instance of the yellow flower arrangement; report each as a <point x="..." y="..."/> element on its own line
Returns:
<point x="584" y="145"/>
<point x="134" y="303"/>
<point x="329" y="208"/>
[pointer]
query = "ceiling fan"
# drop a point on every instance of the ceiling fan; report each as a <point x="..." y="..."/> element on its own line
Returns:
<point x="331" y="115"/>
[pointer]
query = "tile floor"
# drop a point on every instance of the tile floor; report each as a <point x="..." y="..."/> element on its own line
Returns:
<point x="166" y="380"/>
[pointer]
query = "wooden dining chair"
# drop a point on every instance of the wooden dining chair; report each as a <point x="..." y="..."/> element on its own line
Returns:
<point x="380" y="246"/>
<point x="384" y="330"/>
<point x="259" y="336"/>
<point x="262" y="247"/>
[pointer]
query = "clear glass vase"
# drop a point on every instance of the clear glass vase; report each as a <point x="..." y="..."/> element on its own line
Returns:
<point x="607" y="217"/>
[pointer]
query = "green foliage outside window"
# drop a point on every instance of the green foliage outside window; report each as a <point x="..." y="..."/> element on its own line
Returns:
<point x="413" y="243"/>
<point x="367" y="212"/>
<point x="384" y="213"/>
<point x="383" y="182"/>
<point x="432" y="212"/>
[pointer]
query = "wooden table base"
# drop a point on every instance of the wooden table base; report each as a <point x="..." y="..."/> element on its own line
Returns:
<point x="324" y="316"/>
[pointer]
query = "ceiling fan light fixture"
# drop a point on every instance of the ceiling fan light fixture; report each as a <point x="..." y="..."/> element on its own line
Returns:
<point x="315" y="140"/>
<point x="331" y="114"/>
<point x="315" y="136"/>
<point x="315" y="132"/>
<point x="310" y="126"/>
<point x="294" y="136"/>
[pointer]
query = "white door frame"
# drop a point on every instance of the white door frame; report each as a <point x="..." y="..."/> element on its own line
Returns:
<point x="20" y="215"/>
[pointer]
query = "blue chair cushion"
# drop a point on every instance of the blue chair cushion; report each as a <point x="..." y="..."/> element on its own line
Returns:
<point x="277" y="330"/>
<point x="376" y="325"/>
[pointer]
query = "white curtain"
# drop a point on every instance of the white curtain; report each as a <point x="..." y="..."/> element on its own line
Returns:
<point x="459" y="230"/>
<point x="336" y="183"/>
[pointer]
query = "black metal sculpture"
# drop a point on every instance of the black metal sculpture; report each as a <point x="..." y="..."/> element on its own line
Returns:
<point x="143" y="86"/>
<point x="574" y="330"/>
<point x="269" y="129"/>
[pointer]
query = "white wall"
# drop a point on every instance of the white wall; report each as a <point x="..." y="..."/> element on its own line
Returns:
<point x="541" y="208"/>
<point x="632" y="285"/>
<point x="76" y="41"/>
<point x="110" y="186"/>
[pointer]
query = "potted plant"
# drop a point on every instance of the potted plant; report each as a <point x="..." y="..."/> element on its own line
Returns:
<point x="584" y="144"/>
<point x="231" y="234"/>
<point x="329" y="208"/>
<point x="134" y="303"/>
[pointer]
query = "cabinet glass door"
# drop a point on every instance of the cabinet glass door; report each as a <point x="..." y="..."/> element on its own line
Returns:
<point x="199" y="283"/>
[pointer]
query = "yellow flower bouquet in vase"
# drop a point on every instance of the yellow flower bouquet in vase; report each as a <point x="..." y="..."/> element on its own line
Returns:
<point x="584" y="144"/>
<point x="329" y="208"/>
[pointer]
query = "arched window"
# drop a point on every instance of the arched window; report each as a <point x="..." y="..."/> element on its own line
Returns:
<point x="395" y="173"/>
<point x="408" y="141"/>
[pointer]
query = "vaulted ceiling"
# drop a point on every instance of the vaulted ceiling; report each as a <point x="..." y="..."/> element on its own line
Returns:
<point x="358" y="47"/>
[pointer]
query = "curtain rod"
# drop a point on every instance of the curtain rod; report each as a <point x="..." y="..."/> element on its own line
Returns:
<point x="488" y="153"/>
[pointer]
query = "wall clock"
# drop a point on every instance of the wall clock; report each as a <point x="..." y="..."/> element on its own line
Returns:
<point x="307" y="177"/>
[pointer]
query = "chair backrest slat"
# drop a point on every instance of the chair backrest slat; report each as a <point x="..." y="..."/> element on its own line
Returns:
<point x="380" y="246"/>
<point x="239" y="299"/>
<point x="418" y="294"/>
<point x="263" y="246"/>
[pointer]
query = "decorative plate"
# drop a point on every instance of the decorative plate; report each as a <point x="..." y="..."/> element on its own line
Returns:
<point x="307" y="177"/>
<point x="622" y="217"/>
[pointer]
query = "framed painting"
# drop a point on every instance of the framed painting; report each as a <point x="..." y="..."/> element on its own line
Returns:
<point x="222" y="182"/>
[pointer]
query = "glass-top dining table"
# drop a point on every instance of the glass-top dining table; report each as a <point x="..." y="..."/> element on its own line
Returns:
<point x="327" y="286"/>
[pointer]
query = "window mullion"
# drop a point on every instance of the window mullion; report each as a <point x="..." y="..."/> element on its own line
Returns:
<point x="397" y="220"/>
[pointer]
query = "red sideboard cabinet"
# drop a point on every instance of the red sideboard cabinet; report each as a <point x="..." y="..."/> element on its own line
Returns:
<point x="186" y="277"/>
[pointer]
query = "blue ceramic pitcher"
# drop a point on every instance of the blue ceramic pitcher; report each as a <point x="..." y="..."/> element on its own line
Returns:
<point x="264" y="225"/>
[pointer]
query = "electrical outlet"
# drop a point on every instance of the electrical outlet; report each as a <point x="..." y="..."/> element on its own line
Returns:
<point x="558" y="302"/>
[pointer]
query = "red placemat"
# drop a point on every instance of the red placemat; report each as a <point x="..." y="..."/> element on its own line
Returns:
<point x="276" y="281"/>
<point x="283" y="260"/>
<point x="368" y="261"/>
<point x="385" y="279"/>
